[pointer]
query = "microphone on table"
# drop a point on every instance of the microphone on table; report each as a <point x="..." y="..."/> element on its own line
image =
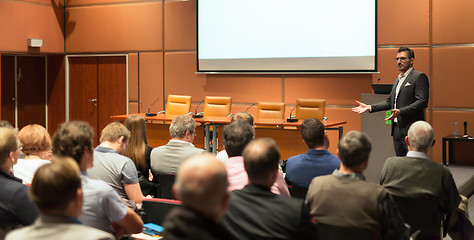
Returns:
<point x="293" y="118"/>
<point x="148" y="114"/>
<point x="196" y="114"/>
<point x="253" y="104"/>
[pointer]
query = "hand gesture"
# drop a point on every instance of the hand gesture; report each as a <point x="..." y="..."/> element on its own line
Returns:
<point x="362" y="108"/>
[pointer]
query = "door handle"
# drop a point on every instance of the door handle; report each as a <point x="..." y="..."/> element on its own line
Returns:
<point x="94" y="100"/>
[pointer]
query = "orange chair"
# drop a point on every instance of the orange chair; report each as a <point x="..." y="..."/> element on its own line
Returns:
<point x="217" y="106"/>
<point x="310" y="108"/>
<point x="178" y="105"/>
<point x="271" y="110"/>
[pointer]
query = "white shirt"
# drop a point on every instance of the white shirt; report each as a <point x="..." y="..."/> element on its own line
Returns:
<point x="25" y="169"/>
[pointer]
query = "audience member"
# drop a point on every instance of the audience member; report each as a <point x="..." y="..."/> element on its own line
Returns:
<point x="201" y="185"/>
<point x="345" y="199"/>
<point x="56" y="190"/>
<point x="139" y="151"/>
<point x="37" y="149"/>
<point x="255" y="212"/>
<point x="5" y="123"/>
<point x="112" y="167"/>
<point x="241" y="116"/>
<point x="167" y="158"/>
<point x="236" y="136"/>
<point x="16" y="209"/>
<point x="102" y="207"/>
<point x="317" y="161"/>
<point x="415" y="175"/>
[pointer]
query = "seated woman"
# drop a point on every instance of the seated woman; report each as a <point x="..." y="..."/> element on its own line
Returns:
<point x="139" y="151"/>
<point x="37" y="149"/>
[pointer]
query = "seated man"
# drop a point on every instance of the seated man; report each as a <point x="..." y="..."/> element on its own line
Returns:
<point x="112" y="167"/>
<point x="345" y="199"/>
<point x="16" y="209"/>
<point x="255" y="212"/>
<point x="201" y="185"/>
<point x="102" y="205"/>
<point x="167" y="158"/>
<point x="416" y="175"/>
<point x="317" y="161"/>
<point x="56" y="190"/>
<point x="236" y="136"/>
<point x="241" y="116"/>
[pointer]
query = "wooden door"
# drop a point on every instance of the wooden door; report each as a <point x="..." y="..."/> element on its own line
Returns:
<point x="112" y="90"/>
<point x="8" y="89"/>
<point x="31" y="90"/>
<point x="83" y="89"/>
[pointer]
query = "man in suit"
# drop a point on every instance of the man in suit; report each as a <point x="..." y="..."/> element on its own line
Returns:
<point x="16" y="209"/>
<point x="56" y="190"/>
<point x="255" y="212"/>
<point x="201" y="185"/>
<point x="407" y="101"/>
<point x="317" y="161"/>
<point x="167" y="158"/>
<point x="415" y="175"/>
<point x="345" y="199"/>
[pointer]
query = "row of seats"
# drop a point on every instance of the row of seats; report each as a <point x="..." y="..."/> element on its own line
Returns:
<point x="221" y="107"/>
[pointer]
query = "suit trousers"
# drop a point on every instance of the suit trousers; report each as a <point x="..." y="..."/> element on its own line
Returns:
<point x="399" y="144"/>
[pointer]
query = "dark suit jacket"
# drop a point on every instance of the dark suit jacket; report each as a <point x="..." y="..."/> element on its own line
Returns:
<point x="256" y="213"/>
<point x="412" y="100"/>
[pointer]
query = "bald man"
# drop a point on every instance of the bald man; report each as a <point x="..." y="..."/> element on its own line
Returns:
<point x="201" y="185"/>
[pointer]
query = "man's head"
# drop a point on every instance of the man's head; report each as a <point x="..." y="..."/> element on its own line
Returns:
<point x="243" y="116"/>
<point x="354" y="150"/>
<point x="35" y="138"/>
<point x="5" y="123"/>
<point x="405" y="59"/>
<point x="201" y="185"/>
<point x="420" y="137"/>
<point x="56" y="188"/>
<point x="236" y="136"/>
<point x="183" y="128"/>
<point x="261" y="157"/>
<point x="74" y="139"/>
<point x="313" y="133"/>
<point x="115" y="135"/>
<point x="9" y="148"/>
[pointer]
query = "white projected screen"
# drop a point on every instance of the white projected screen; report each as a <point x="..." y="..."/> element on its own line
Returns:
<point x="282" y="35"/>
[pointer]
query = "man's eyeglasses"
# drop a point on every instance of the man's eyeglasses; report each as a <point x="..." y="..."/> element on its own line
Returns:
<point x="403" y="59"/>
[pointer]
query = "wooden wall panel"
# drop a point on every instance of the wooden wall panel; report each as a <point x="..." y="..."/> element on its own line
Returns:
<point x="180" y="25"/>
<point x="45" y="2"/>
<point x="133" y="108"/>
<point x="56" y="92"/>
<point x="71" y="3"/>
<point x="443" y="125"/>
<point x="151" y="81"/>
<point x="403" y="22"/>
<point x="133" y="83"/>
<point x="8" y="88"/>
<point x="180" y="76"/>
<point x="336" y="89"/>
<point x="20" y="21"/>
<point x="114" y="28"/>
<point x="388" y="67"/>
<point x="452" y="21"/>
<point x="453" y="74"/>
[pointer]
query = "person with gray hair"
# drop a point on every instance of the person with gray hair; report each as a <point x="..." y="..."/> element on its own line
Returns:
<point x="167" y="158"/>
<point x="415" y="175"/>
<point x="201" y="185"/>
<point x="344" y="199"/>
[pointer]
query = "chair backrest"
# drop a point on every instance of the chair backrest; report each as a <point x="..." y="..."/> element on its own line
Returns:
<point x="165" y="184"/>
<point x="310" y="108"/>
<point x="178" y="105"/>
<point x="332" y="232"/>
<point x="298" y="192"/>
<point x="271" y="110"/>
<point x="217" y="106"/>
<point x="421" y="213"/>
<point x="156" y="209"/>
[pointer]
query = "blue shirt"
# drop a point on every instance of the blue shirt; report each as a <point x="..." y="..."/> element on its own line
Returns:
<point x="301" y="169"/>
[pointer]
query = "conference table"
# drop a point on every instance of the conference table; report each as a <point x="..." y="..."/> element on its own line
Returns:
<point x="279" y="129"/>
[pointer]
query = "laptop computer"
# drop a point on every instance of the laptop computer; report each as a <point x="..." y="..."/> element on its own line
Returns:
<point x="381" y="88"/>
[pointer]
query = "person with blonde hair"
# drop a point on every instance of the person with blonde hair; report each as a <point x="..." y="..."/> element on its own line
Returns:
<point x="139" y="151"/>
<point x="36" y="143"/>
